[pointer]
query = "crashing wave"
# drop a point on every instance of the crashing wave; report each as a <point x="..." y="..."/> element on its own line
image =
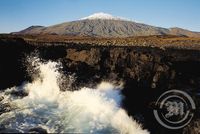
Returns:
<point x="87" y="110"/>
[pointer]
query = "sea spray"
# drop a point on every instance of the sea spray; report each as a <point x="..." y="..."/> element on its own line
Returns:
<point x="87" y="110"/>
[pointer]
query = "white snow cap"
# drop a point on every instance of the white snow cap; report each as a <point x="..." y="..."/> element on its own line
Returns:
<point x="103" y="16"/>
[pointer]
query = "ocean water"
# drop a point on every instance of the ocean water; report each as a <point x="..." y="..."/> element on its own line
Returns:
<point x="87" y="110"/>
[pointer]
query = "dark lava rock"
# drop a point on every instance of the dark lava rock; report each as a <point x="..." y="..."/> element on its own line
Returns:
<point x="193" y="127"/>
<point x="38" y="130"/>
<point x="146" y="71"/>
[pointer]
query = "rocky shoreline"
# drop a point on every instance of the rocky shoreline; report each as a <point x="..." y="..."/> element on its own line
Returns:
<point x="146" y="71"/>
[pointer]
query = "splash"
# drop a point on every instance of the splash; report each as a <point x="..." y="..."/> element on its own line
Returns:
<point x="87" y="110"/>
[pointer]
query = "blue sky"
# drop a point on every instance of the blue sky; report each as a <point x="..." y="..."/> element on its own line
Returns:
<point x="16" y="15"/>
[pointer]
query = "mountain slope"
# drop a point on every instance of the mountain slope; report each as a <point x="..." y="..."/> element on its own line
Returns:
<point x="105" y="25"/>
<point x="180" y="31"/>
<point x="31" y="30"/>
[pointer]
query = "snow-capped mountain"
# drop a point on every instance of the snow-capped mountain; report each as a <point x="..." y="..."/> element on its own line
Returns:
<point x="102" y="16"/>
<point x="106" y="25"/>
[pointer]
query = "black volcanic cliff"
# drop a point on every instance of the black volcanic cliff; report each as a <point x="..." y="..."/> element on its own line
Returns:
<point x="146" y="71"/>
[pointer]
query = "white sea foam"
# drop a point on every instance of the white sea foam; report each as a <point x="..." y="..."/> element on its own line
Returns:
<point x="83" y="111"/>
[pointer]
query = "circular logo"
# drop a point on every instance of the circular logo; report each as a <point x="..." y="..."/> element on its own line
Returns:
<point x="174" y="109"/>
